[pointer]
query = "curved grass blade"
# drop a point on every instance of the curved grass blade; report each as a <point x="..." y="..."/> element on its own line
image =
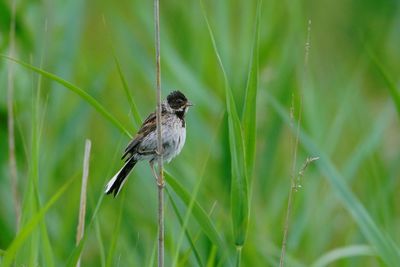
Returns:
<point x="371" y="141"/>
<point x="84" y="95"/>
<point x="100" y="243"/>
<point x="250" y="102"/>
<point x="189" y="238"/>
<point x="132" y="104"/>
<point x="195" y="192"/>
<point x="116" y="232"/>
<point x="384" y="246"/>
<point x="342" y="253"/>
<point x="239" y="188"/>
<point x="198" y="212"/>
<point x="391" y="85"/>
<point x="31" y="225"/>
<point x="76" y="252"/>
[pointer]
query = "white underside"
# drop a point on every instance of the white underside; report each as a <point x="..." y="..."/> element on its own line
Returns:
<point x="173" y="134"/>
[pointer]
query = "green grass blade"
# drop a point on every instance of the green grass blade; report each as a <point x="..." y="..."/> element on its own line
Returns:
<point x="132" y="104"/>
<point x="31" y="225"/>
<point x="341" y="253"/>
<point x="194" y="194"/>
<point x="239" y="187"/>
<point x="391" y="85"/>
<point x="198" y="212"/>
<point x="212" y="257"/>
<point x="189" y="238"/>
<point x="250" y="102"/>
<point x="76" y="252"/>
<point x="74" y="257"/>
<point x="84" y="95"/>
<point x="33" y="163"/>
<point x="37" y="124"/>
<point x="47" y="252"/>
<point x="100" y="242"/>
<point x="370" y="142"/>
<point x="114" y="241"/>
<point x="388" y="251"/>
<point x="153" y="255"/>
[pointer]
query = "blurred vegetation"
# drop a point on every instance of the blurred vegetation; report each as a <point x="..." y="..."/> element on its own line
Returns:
<point x="346" y="212"/>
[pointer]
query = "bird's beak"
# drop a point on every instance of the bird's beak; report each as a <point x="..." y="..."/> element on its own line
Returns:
<point x="189" y="104"/>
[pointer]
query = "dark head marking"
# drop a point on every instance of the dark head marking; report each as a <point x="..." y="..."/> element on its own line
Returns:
<point x="176" y="100"/>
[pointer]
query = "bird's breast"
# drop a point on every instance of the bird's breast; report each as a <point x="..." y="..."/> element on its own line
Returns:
<point x="174" y="137"/>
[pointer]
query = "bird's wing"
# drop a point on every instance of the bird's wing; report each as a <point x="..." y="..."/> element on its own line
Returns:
<point x="147" y="127"/>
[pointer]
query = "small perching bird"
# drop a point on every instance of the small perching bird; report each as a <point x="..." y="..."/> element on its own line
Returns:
<point x="144" y="144"/>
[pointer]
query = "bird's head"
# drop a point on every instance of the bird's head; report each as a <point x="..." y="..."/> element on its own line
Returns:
<point x="178" y="102"/>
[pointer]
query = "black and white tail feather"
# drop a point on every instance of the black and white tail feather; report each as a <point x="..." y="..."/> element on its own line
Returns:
<point x="115" y="184"/>
<point x="144" y="145"/>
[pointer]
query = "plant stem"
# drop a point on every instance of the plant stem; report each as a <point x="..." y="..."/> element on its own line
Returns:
<point x="82" y="209"/>
<point x="10" y="122"/>
<point x="160" y="177"/>
<point x="160" y="226"/>
<point x="293" y="186"/>
<point x="238" y="256"/>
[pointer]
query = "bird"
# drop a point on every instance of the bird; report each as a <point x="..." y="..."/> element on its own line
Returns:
<point x="144" y="144"/>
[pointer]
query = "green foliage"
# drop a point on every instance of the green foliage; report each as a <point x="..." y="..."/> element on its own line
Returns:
<point x="390" y="84"/>
<point x="337" y="254"/>
<point x="85" y="96"/>
<point x="231" y="175"/>
<point x="31" y="226"/>
<point x="239" y="187"/>
<point x="250" y="101"/>
<point x="134" y="110"/>
<point x="384" y="245"/>
<point x="198" y="213"/>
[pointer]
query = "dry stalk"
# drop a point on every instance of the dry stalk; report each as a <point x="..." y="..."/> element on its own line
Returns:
<point x="10" y="123"/>
<point x="160" y="176"/>
<point x="82" y="207"/>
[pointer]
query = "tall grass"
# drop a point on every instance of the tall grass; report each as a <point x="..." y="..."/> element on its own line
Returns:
<point x="10" y="122"/>
<point x="237" y="58"/>
<point x="241" y="138"/>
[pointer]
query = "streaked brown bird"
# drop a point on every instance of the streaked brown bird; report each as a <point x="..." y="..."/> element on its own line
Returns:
<point x="144" y="144"/>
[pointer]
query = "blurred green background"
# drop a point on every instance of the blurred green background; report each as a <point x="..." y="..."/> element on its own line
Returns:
<point x="347" y="211"/>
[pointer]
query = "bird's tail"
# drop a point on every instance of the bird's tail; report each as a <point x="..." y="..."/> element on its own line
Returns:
<point x="115" y="184"/>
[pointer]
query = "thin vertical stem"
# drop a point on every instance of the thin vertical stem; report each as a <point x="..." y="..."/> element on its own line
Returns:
<point x="293" y="186"/>
<point x="82" y="209"/>
<point x="160" y="226"/>
<point x="160" y="178"/>
<point x="10" y="122"/>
